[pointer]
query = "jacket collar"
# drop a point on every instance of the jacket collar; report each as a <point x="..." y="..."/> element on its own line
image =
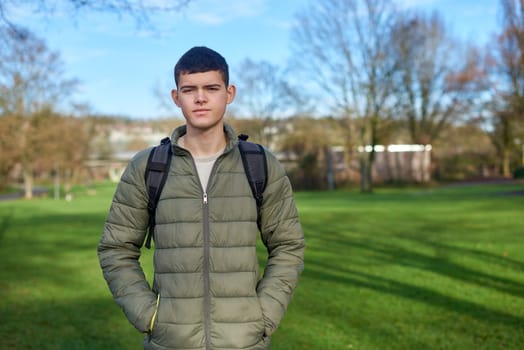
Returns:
<point x="232" y="139"/>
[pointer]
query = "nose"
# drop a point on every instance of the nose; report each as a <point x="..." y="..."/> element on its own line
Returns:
<point x="200" y="96"/>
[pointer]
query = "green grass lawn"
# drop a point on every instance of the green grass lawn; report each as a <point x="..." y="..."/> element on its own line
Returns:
<point x="439" y="268"/>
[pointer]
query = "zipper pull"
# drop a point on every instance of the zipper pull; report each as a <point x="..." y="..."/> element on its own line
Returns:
<point x="205" y="198"/>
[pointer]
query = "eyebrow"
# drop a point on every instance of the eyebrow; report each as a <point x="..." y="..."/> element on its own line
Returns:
<point x="206" y="86"/>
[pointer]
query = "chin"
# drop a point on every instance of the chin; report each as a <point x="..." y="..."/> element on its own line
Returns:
<point x="206" y="124"/>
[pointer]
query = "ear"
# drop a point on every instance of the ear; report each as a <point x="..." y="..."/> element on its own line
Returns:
<point x="174" y="96"/>
<point x="231" y="92"/>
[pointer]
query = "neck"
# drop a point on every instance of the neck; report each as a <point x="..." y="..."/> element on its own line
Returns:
<point x="204" y="143"/>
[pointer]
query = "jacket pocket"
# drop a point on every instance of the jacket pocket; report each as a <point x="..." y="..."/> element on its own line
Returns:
<point x="261" y="319"/>
<point x="153" y="319"/>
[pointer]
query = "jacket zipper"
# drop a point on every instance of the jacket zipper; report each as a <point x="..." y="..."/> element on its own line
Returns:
<point x="207" y="297"/>
<point x="205" y="220"/>
<point x="207" y="291"/>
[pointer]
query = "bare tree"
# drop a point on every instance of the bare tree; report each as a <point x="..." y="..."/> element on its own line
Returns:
<point x="308" y="146"/>
<point x="260" y="89"/>
<point x="436" y="80"/>
<point x="31" y="75"/>
<point x="264" y="93"/>
<point x="343" y="46"/>
<point x="434" y="83"/>
<point x="508" y="106"/>
<point x="140" y="10"/>
<point x="9" y="146"/>
<point x="31" y="81"/>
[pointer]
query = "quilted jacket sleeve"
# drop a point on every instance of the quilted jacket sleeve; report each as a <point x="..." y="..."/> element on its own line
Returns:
<point x="283" y="237"/>
<point x="119" y="246"/>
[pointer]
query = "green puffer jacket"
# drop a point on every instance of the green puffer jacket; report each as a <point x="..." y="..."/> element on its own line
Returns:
<point x="207" y="292"/>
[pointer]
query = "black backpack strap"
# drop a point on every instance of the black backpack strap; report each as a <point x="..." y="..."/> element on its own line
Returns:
<point x="255" y="166"/>
<point x="157" y="170"/>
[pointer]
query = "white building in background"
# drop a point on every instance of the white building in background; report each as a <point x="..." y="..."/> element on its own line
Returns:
<point x="401" y="162"/>
<point x="122" y="142"/>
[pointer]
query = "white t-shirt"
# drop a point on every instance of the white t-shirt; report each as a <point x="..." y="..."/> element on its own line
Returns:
<point x="204" y="165"/>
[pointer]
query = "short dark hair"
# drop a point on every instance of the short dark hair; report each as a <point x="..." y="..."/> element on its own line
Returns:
<point x="200" y="59"/>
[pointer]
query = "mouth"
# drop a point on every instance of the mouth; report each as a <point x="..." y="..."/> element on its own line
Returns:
<point x="200" y="111"/>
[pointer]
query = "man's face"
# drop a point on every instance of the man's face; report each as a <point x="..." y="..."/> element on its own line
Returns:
<point x="203" y="98"/>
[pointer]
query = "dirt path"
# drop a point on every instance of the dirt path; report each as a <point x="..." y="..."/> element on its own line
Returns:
<point x="37" y="192"/>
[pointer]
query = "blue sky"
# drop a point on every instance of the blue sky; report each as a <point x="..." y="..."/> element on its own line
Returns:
<point x="119" y="64"/>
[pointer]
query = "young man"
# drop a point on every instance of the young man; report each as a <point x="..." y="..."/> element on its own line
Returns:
<point x="207" y="292"/>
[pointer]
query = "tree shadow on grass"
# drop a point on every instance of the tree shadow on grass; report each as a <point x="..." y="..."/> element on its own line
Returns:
<point x="5" y="222"/>
<point x="445" y="267"/>
<point x="91" y="324"/>
<point x="426" y="254"/>
<point x="46" y="247"/>
<point x="52" y="293"/>
<point x="355" y="260"/>
<point x="321" y="270"/>
<point x="440" y="263"/>
<point x="457" y="320"/>
<point x="53" y="248"/>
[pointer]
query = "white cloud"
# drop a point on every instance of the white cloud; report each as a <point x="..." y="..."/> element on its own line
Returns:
<point x="283" y="24"/>
<point x="416" y="3"/>
<point x="208" y="18"/>
<point x="214" y="12"/>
